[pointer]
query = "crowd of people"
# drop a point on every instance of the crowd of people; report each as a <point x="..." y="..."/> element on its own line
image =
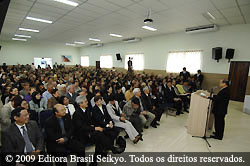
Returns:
<point x="87" y="106"/>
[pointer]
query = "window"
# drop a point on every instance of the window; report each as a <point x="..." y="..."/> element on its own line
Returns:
<point x="85" y="61"/>
<point x="43" y="62"/>
<point x="106" y="61"/>
<point x="189" y="59"/>
<point x="137" y="60"/>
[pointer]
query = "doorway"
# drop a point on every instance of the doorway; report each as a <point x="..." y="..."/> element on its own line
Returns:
<point x="238" y="77"/>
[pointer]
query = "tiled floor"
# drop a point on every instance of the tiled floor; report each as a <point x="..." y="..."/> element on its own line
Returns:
<point x="172" y="136"/>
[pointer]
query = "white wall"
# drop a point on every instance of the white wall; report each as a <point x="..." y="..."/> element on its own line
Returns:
<point x="14" y="52"/>
<point x="156" y="48"/>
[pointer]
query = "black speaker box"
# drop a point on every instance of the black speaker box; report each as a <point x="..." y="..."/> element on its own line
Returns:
<point x="230" y="53"/>
<point x="217" y="53"/>
<point x="118" y="57"/>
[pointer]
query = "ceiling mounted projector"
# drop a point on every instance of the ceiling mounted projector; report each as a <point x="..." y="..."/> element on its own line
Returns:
<point x="148" y="20"/>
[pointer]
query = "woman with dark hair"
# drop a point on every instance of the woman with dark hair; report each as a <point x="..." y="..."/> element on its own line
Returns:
<point x="37" y="103"/>
<point x="54" y="99"/>
<point x="109" y="92"/>
<point x="12" y="92"/>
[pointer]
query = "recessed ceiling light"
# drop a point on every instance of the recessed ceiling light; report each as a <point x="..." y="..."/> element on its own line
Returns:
<point x="39" y="19"/>
<point x="115" y="35"/>
<point x="19" y="39"/>
<point x="78" y="42"/>
<point x="29" y="30"/>
<point x="26" y="36"/>
<point x="94" y="39"/>
<point x="149" y="28"/>
<point x="67" y="2"/>
<point x="70" y="44"/>
<point x="210" y="15"/>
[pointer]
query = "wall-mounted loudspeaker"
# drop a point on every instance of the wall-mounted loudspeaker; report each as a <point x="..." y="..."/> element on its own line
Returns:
<point x="217" y="53"/>
<point x="229" y="54"/>
<point x="118" y="57"/>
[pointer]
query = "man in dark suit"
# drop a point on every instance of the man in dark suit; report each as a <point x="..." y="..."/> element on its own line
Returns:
<point x="185" y="74"/>
<point x="23" y="136"/>
<point x="86" y="132"/>
<point x="71" y="95"/>
<point x="148" y="105"/>
<point x="101" y="118"/>
<point x="220" y="105"/>
<point x="171" y="98"/>
<point x="199" y="78"/>
<point x="59" y="131"/>
<point x="130" y="65"/>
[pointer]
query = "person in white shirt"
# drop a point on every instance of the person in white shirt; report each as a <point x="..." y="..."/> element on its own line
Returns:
<point x="97" y="93"/>
<point x="119" y="120"/>
<point x="70" y="109"/>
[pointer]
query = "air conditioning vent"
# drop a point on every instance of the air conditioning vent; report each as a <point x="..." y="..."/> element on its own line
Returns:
<point x="96" y="45"/>
<point x="131" y="40"/>
<point x="203" y="28"/>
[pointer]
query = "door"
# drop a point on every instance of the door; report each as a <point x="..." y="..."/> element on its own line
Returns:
<point x="238" y="75"/>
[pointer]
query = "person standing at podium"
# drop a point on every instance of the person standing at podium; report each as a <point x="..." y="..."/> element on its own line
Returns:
<point x="220" y="105"/>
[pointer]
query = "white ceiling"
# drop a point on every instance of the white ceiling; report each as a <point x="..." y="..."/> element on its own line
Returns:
<point x="99" y="18"/>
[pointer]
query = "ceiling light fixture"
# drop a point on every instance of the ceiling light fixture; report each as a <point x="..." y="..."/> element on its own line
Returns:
<point x="39" y="20"/>
<point x="115" y="35"/>
<point x="78" y="42"/>
<point x="67" y="2"/>
<point x="29" y="30"/>
<point x="70" y="44"/>
<point x="26" y="36"/>
<point x="93" y="39"/>
<point x="19" y="39"/>
<point x="210" y="15"/>
<point x="149" y="28"/>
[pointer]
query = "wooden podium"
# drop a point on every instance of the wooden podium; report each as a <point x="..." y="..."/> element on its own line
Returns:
<point x="198" y="115"/>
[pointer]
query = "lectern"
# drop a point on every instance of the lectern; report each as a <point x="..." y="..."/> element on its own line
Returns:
<point x="200" y="116"/>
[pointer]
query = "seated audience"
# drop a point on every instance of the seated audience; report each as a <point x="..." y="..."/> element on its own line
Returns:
<point x="101" y="118"/>
<point x="59" y="131"/>
<point x="144" y="113"/>
<point x="86" y="132"/>
<point x="25" y="90"/>
<point x="48" y="94"/>
<point x="120" y="121"/>
<point x="120" y="97"/>
<point x="107" y="93"/>
<point x="23" y="136"/>
<point x="97" y="93"/>
<point x="184" y="97"/>
<point x="172" y="99"/>
<point x="28" y="97"/>
<point x="70" y="109"/>
<point x="71" y="95"/>
<point x="131" y="112"/>
<point x="148" y="105"/>
<point x="5" y="113"/>
<point x="129" y="93"/>
<point x="37" y="103"/>
<point x="54" y="99"/>
<point x="12" y="92"/>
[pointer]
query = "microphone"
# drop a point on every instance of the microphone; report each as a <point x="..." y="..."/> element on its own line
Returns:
<point x="212" y="89"/>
